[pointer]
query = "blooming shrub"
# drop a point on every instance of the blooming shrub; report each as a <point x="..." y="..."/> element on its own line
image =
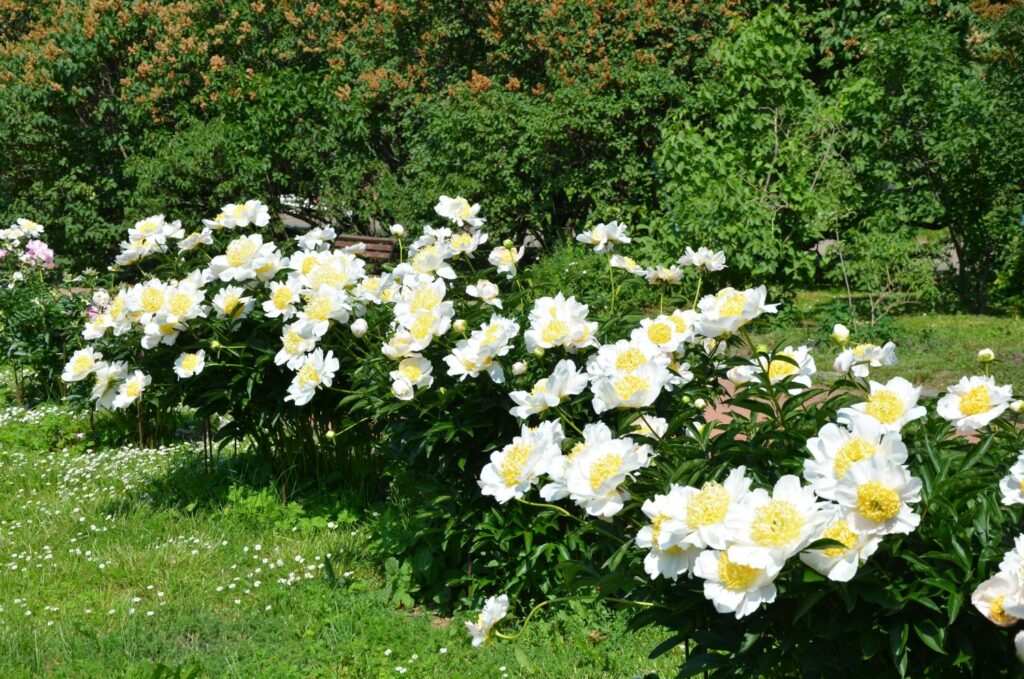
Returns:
<point x="37" y="316"/>
<point x="708" y="480"/>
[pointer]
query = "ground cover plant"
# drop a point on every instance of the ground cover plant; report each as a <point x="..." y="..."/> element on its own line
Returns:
<point x="713" y="485"/>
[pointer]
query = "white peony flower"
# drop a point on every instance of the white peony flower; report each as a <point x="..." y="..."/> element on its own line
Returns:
<point x="190" y="364"/>
<point x="877" y="493"/>
<point x="703" y="259"/>
<point x="974" y="402"/>
<point x="893" y="404"/>
<point x="495" y="608"/>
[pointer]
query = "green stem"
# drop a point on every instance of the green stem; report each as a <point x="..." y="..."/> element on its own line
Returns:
<point x="696" y="297"/>
<point x="526" y="621"/>
<point x="545" y="505"/>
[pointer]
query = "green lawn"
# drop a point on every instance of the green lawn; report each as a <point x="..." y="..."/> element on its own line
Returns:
<point x="117" y="560"/>
<point x="932" y="349"/>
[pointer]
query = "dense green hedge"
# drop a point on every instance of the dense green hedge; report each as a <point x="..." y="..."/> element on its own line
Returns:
<point x="761" y="132"/>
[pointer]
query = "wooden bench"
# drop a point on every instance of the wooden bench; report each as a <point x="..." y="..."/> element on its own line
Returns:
<point x="377" y="248"/>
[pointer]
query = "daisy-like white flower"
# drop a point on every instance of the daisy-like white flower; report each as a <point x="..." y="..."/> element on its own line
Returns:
<point x="768" y="529"/>
<point x="662" y="332"/>
<point x="515" y="468"/>
<point x="637" y="389"/>
<point x="729" y="309"/>
<point x="322" y="307"/>
<point x="317" y="370"/>
<point x="240" y="215"/>
<point x="995" y="595"/>
<point x="594" y="434"/>
<point x="704" y="511"/>
<point x="564" y="381"/>
<point x="467" y="243"/>
<point x="506" y="259"/>
<point x="560" y="322"/>
<point x="28" y="228"/>
<point x="108" y="376"/>
<point x="495" y="608"/>
<point x="974" y="402"/>
<point x="702" y="259"/>
<point x="604" y="236"/>
<point x="666" y="559"/>
<point x="243" y="257"/>
<point x="486" y="292"/>
<point x="1012" y="486"/>
<point x="840" y="564"/>
<point x="316" y="238"/>
<point x="416" y="371"/>
<point x="81" y="364"/>
<point x="459" y="211"/>
<point x="837" y="447"/>
<point x="594" y="477"/>
<point x="664" y="275"/>
<point x="144" y="301"/>
<point x="651" y="426"/>
<point x="190" y="364"/>
<point x="430" y="260"/>
<point x="193" y="240"/>
<point x="297" y="340"/>
<point x="733" y="587"/>
<point x="797" y="365"/>
<point x="877" y="494"/>
<point x="859" y="360"/>
<point x="894" y="404"/>
<point x="282" y="299"/>
<point x="627" y="264"/>
<point x="131" y="389"/>
<point x="232" y="302"/>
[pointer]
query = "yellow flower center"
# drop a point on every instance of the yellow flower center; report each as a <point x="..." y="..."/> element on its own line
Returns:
<point x="659" y="333"/>
<point x="148" y="227"/>
<point x="708" y="506"/>
<point x="854" y="450"/>
<point x="630" y="359"/>
<point x="231" y="302"/>
<point x="997" y="613"/>
<point x="282" y="297"/>
<point x="152" y="300"/>
<point x="427" y="259"/>
<point x="308" y="263"/>
<point x="189" y="362"/>
<point x="861" y="349"/>
<point x="507" y="256"/>
<point x="628" y="386"/>
<point x="680" y="324"/>
<point x="777" y="369"/>
<point x="540" y="388"/>
<point x="840" y="532"/>
<point x="411" y="372"/>
<point x="308" y="375"/>
<point x="239" y="251"/>
<point x="885" y="406"/>
<point x="132" y="389"/>
<point x="180" y="304"/>
<point x="81" y="363"/>
<point x="877" y="502"/>
<point x="733" y="306"/>
<point x="292" y="342"/>
<point x="512" y="466"/>
<point x="461" y="241"/>
<point x="734" y="576"/>
<point x="465" y="210"/>
<point x="423" y="326"/>
<point x="424" y="299"/>
<point x="117" y="306"/>
<point x="777" y="524"/>
<point x="576" y="450"/>
<point x="319" y="308"/>
<point x="554" y="331"/>
<point x="603" y="469"/>
<point x="331" y="275"/>
<point x="975" y="401"/>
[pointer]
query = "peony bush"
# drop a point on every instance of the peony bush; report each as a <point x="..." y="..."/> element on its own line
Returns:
<point x="778" y="520"/>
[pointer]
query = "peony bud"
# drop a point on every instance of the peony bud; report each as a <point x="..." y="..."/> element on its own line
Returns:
<point x="700" y="404"/>
<point x="330" y="435"/>
<point x="1018" y="642"/>
<point x="397" y="230"/>
<point x="508" y="243"/>
<point x="358" y="327"/>
<point x="986" y="355"/>
<point x="215" y="344"/>
<point x="840" y="334"/>
<point x="518" y="368"/>
<point x="459" y="325"/>
<point x="1017" y="406"/>
<point x="538" y="352"/>
<point x="402" y="389"/>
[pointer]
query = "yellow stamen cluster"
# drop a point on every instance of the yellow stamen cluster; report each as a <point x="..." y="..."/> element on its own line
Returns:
<point x="854" y="450"/>
<point x="628" y="386"/>
<point x="975" y="401"/>
<point x="734" y="576"/>
<point x="777" y="524"/>
<point x="512" y="466"/>
<point x="840" y="532"/>
<point x="709" y="506"/>
<point x="603" y="469"/>
<point x="877" y="502"/>
<point x="885" y="406"/>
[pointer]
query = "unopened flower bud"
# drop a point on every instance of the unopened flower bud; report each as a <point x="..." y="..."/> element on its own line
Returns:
<point x="986" y="355"/>
<point x="508" y="243"/>
<point x="840" y="334"/>
<point x="459" y="325"/>
<point x="761" y="348"/>
<point x="518" y="368"/>
<point x="687" y="399"/>
<point x="358" y="327"/>
<point x="330" y="435"/>
<point x="538" y="352"/>
<point x="397" y="230"/>
<point x="442" y="390"/>
<point x="700" y="404"/>
<point x="215" y="344"/>
<point x="1017" y="406"/>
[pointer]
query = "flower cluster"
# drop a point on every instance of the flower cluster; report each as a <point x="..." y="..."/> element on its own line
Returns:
<point x="20" y="243"/>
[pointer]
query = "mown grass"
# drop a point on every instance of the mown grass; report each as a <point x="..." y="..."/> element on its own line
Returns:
<point x="115" y="562"/>
<point x="932" y="349"/>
